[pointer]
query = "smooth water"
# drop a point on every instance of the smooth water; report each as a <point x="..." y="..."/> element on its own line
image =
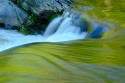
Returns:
<point x="80" y="61"/>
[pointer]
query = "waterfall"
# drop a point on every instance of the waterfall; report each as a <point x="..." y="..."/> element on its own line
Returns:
<point x="52" y="27"/>
<point x="62" y="28"/>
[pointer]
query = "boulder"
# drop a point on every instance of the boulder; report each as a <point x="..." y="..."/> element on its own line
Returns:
<point x="41" y="6"/>
<point x="43" y="11"/>
<point x="11" y="15"/>
<point x="33" y="15"/>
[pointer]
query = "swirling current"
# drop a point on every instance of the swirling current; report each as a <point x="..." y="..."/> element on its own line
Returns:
<point x="100" y="60"/>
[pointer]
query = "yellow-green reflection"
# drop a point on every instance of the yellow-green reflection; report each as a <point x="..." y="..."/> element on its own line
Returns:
<point x="89" y="61"/>
<point x="105" y="10"/>
<point x="82" y="61"/>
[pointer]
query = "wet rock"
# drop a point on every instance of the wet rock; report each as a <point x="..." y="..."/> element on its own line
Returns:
<point x="98" y="30"/>
<point x="34" y="15"/>
<point x="43" y="11"/>
<point x="11" y="15"/>
<point x="41" y="6"/>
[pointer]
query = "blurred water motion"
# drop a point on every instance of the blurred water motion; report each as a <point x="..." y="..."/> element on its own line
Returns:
<point x="81" y="61"/>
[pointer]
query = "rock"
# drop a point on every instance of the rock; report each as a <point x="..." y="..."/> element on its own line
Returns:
<point x="34" y="15"/>
<point x="10" y="14"/>
<point x="41" y="6"/>
<point x="98" y="30"/>
<point x="43" y="10"/>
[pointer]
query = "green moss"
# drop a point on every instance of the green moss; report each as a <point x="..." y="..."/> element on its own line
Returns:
<point x="53" y="16"/>
<point x="24" y="31"/>
<point x="31" y="19"/>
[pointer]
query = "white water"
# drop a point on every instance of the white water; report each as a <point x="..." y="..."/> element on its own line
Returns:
<point x="53" y="26"/>
<point x="60" y="29"/>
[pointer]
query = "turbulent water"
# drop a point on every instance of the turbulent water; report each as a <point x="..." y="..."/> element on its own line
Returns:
<point x="66" y="27"/>
<point x="80" y="61"/>
<point x="60" y="29"/>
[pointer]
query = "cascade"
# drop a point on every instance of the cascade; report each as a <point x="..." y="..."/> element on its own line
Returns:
<point x="63" y="28"/>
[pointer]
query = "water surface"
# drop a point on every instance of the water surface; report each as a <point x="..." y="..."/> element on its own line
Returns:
<point x="80" y="61"/>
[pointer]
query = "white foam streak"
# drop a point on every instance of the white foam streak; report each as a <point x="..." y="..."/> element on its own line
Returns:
<point x="52" y="27"/>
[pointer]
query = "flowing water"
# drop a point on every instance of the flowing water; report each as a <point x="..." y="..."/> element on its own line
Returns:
<point x="60" y="29"/>
<point x="52" y="58"/>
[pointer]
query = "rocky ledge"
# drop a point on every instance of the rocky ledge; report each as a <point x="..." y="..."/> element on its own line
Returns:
<point x="30" y="16"/>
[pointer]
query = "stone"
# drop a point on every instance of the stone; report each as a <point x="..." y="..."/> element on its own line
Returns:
<point x="11" y="15"/>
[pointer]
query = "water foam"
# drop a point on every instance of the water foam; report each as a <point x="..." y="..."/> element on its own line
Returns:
<point x="60" y="29"/>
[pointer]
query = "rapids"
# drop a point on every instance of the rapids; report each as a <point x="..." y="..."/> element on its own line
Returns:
<point x="66" y="27"/>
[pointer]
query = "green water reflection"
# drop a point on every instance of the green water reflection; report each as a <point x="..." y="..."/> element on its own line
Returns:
<point x="85" y="61"/>
<point x="81" y="61"/>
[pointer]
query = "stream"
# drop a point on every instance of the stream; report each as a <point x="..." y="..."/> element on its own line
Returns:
<point x="67" y="52"/>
